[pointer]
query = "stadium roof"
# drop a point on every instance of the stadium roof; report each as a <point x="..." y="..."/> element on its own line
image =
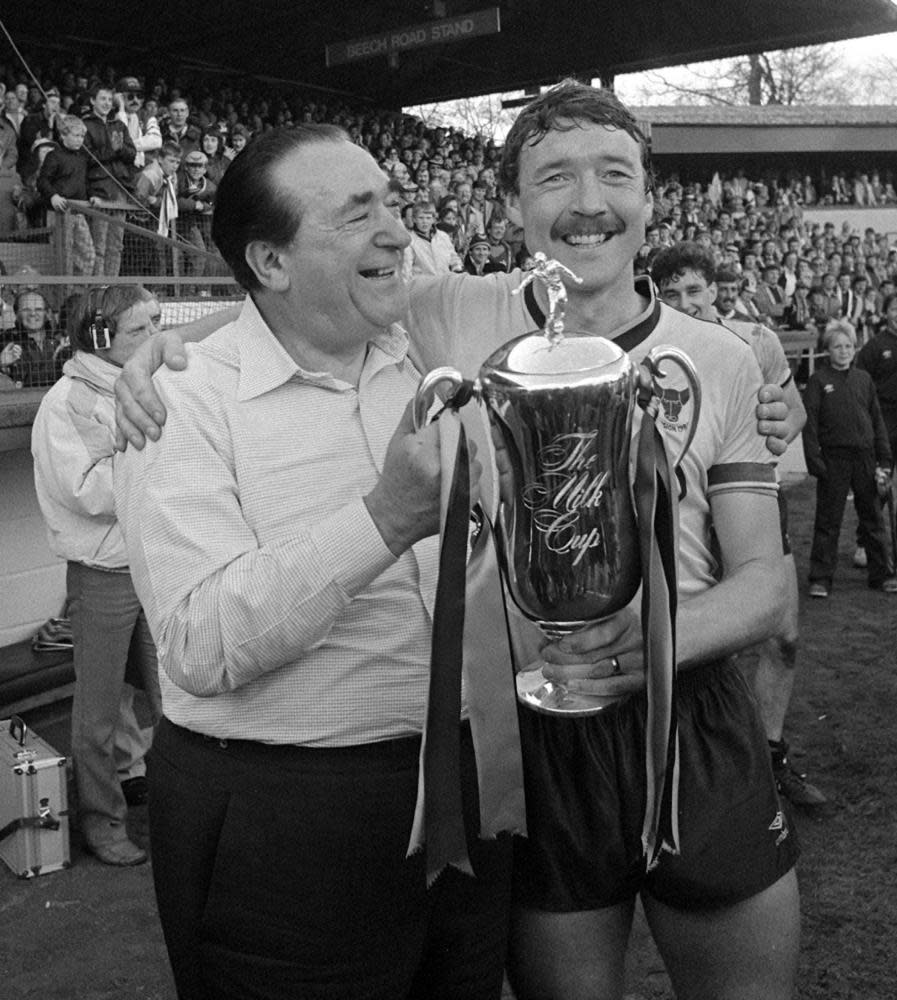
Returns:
<point x="539" y="41"/>
<point x="768" y="115"/>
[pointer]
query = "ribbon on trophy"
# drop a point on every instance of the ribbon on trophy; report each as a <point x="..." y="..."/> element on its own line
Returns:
<point x="466" y="642"/>
<point x="657" y="514"/>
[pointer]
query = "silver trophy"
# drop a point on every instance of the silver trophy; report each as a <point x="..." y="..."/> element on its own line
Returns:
<point x="568" y="540"/>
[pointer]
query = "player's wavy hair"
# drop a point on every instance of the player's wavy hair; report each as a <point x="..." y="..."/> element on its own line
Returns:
<point x="250" y="206"/>
<point x="562" y="109"/>
<point x="670" y="262"/>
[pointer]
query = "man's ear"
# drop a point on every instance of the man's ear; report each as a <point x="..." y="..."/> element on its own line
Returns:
<point x="267" y="266"/>
<point x="512" y="209"/>
<point x="712" y="289"/>
<point x="649" y="208"/>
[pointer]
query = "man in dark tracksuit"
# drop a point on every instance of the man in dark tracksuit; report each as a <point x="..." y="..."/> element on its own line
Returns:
<point x="844" y="441"/>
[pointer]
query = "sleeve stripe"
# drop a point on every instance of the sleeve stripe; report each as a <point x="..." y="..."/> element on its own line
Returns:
<point x="742" y="477"/>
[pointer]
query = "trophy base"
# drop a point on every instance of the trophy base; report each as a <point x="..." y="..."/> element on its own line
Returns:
<point x="550" y="698"/>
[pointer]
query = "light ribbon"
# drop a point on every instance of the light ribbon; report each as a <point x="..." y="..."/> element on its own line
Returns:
<point x="657" y="514"/>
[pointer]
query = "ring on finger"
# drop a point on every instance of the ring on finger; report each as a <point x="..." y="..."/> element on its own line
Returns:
<point x="615" y="664"/>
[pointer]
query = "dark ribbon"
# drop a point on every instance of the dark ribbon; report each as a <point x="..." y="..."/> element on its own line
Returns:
<point x="445" y="839"/>
<point x="655" y="502"/>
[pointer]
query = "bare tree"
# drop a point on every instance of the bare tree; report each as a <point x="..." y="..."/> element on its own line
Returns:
<point x="876" y="82"/>
<point x="812" y="75"/>
<point x="482" y="116"/>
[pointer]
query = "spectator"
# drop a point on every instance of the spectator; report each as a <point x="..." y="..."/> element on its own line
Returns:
<point x="240" y="135"/>
<point x="769" y="298"/>
<point x="32" y="212"/>
<point x="31" y="356"/>
<point x="469" y="216"/>
<point x="179" y="129"/>
<point x="846" y="447"/>
<point x="73" y="443"/>
<point x="212" y="144"/>
<point x="879" y="358"/>
<point x="109" y="177"/>
<point x="730" y="303"/>
<point x="13" y="111"/>
<point x="431" y="249"/>
<point x="501" y="256"/>
<point x="142" y="128"/>
<point x="40" y="124"/>
<point x="477" y="260"/>
<point x="196" y="198"/>
<point x="10" y="181"/>
<point x="7" y="314"/>
<point x="63" y="178"/>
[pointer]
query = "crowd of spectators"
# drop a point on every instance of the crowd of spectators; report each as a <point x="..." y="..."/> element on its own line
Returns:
<point x="161" y="143"/>
<point x="776" y="267"/>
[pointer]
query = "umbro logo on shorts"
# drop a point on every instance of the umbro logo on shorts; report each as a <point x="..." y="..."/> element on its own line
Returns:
<point x="779" y="824"/>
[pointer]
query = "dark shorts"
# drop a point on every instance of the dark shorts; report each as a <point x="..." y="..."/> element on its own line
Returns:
<point x="585" y="789"/>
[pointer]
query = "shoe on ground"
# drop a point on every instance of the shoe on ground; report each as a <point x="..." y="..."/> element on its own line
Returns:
<point x="119" y="853"/>
<point x="818" y="590"/>
<point x="791" y="784"/>
<point x="795" y="787"/>
<point x="860" y="559"/>
<point x="888" y="586"/>
<point x="136" y="790"/>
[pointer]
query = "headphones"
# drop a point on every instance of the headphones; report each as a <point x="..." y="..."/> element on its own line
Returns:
<point x="99" y="332"/>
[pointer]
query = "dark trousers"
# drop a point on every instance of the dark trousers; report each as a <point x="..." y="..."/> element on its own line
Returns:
<point x="280" y="873"/>
<point x="847" y="469"/>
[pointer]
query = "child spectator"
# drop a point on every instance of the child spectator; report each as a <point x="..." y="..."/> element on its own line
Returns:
<point x="196" y="197"/>
<point x="846" y="448"/>
<point x="63" y="178"/>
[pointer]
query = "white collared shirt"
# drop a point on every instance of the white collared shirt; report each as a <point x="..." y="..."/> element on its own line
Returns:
<point x="279" y="613"/>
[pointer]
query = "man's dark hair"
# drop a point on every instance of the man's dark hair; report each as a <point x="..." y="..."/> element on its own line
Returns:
<point x="169" y="148"/>
<point x="249" y="206"/>
<point x="726" y="276"/>
<point x="562" y="109"/>
<point x="685" y="256"/>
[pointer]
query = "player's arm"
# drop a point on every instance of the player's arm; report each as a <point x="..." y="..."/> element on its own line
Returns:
<point x="746" y="606"/>
<point x="139" y="412"/>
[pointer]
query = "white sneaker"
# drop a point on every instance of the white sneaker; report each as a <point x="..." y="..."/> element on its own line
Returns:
<point x="860" y="560"/>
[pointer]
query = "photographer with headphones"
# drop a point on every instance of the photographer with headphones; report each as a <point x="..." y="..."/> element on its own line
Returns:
<point x="73" y="443"/>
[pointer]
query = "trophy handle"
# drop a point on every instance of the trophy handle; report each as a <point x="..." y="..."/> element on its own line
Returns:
<point x="426" y="391"/>
<point x="652" y="363"/>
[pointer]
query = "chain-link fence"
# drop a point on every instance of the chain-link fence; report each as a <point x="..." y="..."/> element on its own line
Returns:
<point x="48" y="270"/>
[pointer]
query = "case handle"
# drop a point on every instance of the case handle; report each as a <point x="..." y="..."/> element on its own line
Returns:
<point x="18" y="723"/>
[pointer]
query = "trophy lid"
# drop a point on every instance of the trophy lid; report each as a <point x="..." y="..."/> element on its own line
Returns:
<point x="533" y="361"/>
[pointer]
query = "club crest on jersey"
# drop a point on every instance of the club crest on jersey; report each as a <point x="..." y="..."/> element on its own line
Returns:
<point x="672" y="401"/>
<point x="829" y="387"/>
<point x="886" y="353"/>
